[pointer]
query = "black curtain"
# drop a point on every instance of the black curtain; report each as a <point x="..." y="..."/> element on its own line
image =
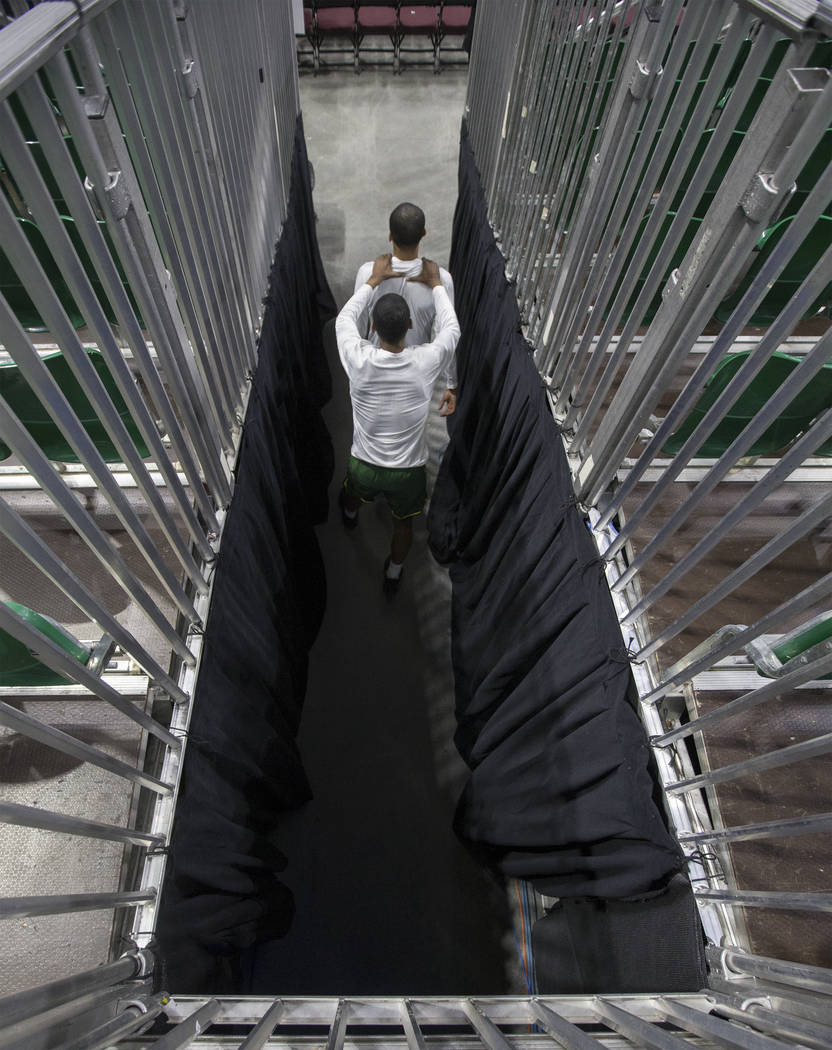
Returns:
<point x="560" y="791"/>
<point x="242" y="767"/>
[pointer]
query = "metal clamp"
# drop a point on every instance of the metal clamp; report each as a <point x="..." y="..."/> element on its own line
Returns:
<point x="189" y="78"/>
<point x="116" y="192"/>
<point x="757" y="198"/>
<point x="96" y="106"/>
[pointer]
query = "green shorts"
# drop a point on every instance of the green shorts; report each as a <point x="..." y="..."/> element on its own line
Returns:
<point x="404" y="488"/>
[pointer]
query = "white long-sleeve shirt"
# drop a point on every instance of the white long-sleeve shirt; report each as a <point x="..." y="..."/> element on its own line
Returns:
<point x="418" y="297"/>
<point x="390" y="392"/>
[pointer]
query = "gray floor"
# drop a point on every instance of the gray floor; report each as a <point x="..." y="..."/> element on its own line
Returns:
<point x="387" y="899"/>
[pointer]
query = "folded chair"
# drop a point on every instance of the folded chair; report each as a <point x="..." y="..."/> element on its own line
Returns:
<point x="454" y="16"/>
<point x="332" y="20"/>
<point x="420" y="17"/>
<point x="378" y="17"/>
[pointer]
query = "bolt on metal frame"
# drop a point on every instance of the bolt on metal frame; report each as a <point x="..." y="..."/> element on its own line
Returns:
<point x="597" y="138"/>
<point x="157" y="176"/>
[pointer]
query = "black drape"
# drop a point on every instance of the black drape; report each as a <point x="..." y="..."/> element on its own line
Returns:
<point x="242" y="767"/>
<point x="560" y="790"/>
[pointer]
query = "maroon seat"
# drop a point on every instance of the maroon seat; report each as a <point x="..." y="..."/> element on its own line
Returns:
<point x="379" y="16"/>
<point x="332" y="18"/>
<point x="419" y="15"/>
<point x="455" y="17"/>
<point x="336" y="15"/>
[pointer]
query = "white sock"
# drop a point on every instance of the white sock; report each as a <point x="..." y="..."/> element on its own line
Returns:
<point x="394" y="571"/>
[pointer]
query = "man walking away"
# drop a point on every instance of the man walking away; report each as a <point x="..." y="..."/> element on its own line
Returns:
<point x="390" y="388"/>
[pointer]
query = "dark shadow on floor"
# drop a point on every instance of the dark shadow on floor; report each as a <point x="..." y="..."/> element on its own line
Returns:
<point x="387" y="899"/>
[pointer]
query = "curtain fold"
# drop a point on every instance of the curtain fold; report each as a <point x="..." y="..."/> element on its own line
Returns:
<point x="560" y="790"/>
<point x="242" y="768"/>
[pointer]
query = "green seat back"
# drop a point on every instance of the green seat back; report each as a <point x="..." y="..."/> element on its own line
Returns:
<point x="792" y="276"/>
<point x="798" y="644"/>
<point x="17" y="664"/>
<point x="26" y="406"/>
<point x="793" y="420"/>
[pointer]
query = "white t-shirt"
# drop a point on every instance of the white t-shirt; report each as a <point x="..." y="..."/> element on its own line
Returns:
<point x="418" y="297"/>
<point x="391" y="393"/>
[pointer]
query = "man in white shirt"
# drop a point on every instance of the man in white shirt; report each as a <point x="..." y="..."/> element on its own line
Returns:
<point x="390" y="388"/>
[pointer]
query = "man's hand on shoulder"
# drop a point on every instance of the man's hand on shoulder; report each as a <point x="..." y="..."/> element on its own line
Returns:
<point x="429" y="274"/>
<point x="382" y="270"/>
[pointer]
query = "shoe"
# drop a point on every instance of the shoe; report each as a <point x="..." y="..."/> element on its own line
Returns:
<point x="348" y="522"/>
<point x="389" y="585"/>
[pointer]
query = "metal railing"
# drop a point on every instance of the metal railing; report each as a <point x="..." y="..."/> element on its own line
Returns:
<point x="145" y="159"/>
<point x="774" y="1000"/>
<point x="561" y="114"/>
<point x="659" y="179"/>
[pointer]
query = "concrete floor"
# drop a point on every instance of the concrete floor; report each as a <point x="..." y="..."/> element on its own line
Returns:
<point x="387" y="899"/>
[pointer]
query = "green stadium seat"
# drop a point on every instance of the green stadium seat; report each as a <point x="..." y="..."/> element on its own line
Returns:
<point x="791" y="277"/>
<point x="815" y="398"/>
<point x="773" y="659"/>
<point x="26" y="406"/>
<point x="20" y="667"/>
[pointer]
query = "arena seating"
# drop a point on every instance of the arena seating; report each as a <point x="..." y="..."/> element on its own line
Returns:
<point x="377" y="32"/>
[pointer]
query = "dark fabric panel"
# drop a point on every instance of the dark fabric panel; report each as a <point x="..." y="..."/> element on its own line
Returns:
<point x="242" y="767"/>
<point x="624" y="947"/>
<point x="560" y="789"/>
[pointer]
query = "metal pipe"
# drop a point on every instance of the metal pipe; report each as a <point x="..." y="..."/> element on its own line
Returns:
<point x="264" y="1028"/>
<point x="810" y="366"/>
<point x="29" y="1003"/>
<point x="719" y="139"/>
<point x="795" y="975"/>
<point x="15" y="435"/>
<point x="57" y="659"/>
<point x="29" y="543"/>
<point x="63" y="904"/>
<point x="639" y="1031"/>
<point x="813" y="902"/>
<point x="772" y="689"/>
<point x="756" y="1014"/>
<point x="485" y="1028"/>
<point x="412" y="1032"/>
<point x="20" y="722"/>
<point x="32" y="38"/>
<point x="685" y="669"/>
<point x="785" y="756"/>
<point x="46" y="820"/>
<point x="799" y="228"/>
<point x="186" y="1031"/>
<point x="136" y="1015"/>
<point x="139" y="252"/>
<point x="28" y="268"/>
<point x="338" y="1028"/>
<point x="766" y="830"/>
<point x="38" y="111"/>
<point x="563" y="1032"/>
<point x="726" y="239"/>
<point x="808" y="521"/>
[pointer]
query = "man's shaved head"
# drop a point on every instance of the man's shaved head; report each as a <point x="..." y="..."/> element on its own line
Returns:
<point x="407" y="225"/>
